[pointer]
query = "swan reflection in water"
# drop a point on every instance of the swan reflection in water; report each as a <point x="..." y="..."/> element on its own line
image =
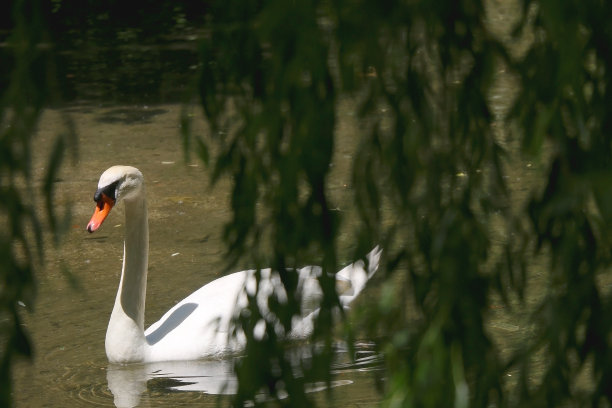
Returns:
<point x="216" y="377"/>
<point x="129" y="382"/>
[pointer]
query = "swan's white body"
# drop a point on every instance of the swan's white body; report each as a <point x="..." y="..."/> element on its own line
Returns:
<point x="199" y="326"/>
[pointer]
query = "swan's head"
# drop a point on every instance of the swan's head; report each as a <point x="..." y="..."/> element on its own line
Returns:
<point x="116" y="184"/>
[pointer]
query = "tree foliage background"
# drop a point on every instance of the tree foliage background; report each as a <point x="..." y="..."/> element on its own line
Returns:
<point x="430" y="183"/>
<point x="437" y="164"/>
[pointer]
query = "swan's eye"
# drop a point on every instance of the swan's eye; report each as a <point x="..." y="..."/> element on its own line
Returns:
<point x="109" y="191"/>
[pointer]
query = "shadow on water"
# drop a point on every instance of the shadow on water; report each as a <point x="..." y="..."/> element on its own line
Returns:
<point x="131" y="74"/>
<point x="130" y="115"/>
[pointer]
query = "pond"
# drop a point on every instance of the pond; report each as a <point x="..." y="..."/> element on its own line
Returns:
<point x="126" y="104"/>
<point x="77" y="288"/>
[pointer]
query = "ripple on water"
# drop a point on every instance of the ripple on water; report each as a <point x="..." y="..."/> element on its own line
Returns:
<point x="365" y="359"/>
<point x="86" y="383"/>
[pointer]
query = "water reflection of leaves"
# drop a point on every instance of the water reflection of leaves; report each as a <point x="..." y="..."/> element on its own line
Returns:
<point x="130" y="115"/>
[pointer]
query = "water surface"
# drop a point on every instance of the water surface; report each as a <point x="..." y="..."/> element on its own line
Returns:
<point x="77" y="288"/>
<point x="76" y="291"/>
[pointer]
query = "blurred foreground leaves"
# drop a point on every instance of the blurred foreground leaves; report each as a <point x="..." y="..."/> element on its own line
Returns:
<point x="433" y="181"/>
<point x="430" y="181"/>
<point x="23" y="221"/>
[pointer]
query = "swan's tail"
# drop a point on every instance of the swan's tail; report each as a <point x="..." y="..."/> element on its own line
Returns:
<point x="351" y="280"/>
<point x="373" y="260"/>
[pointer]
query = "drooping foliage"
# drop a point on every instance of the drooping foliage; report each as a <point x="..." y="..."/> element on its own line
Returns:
<point x="28" y="86"/>
<point x="430" y="181"/>
<point x="471" y="238"/>
<point x="563" y="110"/>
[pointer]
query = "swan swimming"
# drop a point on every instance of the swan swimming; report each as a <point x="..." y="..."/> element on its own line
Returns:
<point x="200" y="325"/>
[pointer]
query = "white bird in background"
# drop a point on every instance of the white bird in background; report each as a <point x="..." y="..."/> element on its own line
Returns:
<point x="199" y="325"/>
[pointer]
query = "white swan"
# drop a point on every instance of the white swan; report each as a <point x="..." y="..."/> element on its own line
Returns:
<point x="199" y="325"/>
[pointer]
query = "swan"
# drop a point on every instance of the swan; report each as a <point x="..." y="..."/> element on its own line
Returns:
<point x="200" y="325"/>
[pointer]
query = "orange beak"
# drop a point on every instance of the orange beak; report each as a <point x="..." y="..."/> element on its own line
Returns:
<point x="103" y="207"/>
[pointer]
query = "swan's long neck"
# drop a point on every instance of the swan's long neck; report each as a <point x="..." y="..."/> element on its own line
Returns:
<point x="125" y="340"/>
